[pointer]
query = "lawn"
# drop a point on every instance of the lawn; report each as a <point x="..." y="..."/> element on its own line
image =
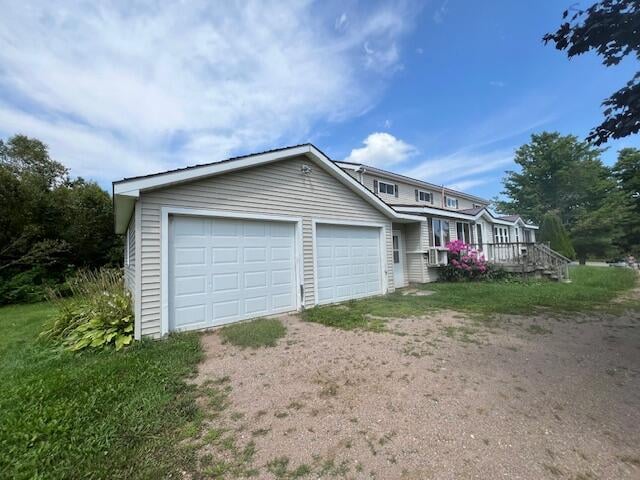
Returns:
<point x="94" y="415"/>
<point x="122" y="415"/>
<point x="590" y="288"/>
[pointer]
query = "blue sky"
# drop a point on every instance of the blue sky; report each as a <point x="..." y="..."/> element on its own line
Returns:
<point x="441" y="90"/>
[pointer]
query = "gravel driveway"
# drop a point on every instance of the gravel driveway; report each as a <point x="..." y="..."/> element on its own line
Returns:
<point x="439" y="397"/>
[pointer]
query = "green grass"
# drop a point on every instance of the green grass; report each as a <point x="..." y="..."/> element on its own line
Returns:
<point x="591" y="287"/>
<point x="262" y="332"/>
<point x="91" y="415"/>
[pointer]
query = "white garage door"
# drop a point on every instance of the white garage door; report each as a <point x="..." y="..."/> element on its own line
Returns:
<point x="225" y="270"/>
<point x="348" y="262"/>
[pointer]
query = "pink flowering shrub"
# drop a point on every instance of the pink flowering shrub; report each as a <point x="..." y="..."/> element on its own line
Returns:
<point x="465" y="263"/>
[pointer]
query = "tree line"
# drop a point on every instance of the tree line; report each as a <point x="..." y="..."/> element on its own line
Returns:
<point x="50" y="224"/>
<point x="563" y="181"/>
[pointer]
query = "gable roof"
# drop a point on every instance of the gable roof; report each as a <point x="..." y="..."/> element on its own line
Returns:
<point x="127" y="190"/>
<point x="411" y="180"/>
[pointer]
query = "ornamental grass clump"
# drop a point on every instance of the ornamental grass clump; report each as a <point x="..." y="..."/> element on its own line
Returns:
<point x="99" y="313"/>
<point x="465" y="263"/>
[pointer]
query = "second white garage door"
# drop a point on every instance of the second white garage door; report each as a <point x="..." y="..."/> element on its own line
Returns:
<point x="348" y="262"/>
<point x="226" y="270"/>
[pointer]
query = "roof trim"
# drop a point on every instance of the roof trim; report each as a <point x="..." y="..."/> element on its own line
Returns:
<point x="130" y="188"/>
<point x="415" y="181"/>
<point x="464" y="216"/>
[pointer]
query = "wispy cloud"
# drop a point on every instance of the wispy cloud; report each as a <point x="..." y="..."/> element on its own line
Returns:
<point x="382" y="150"/>
<point x="439" y="14"/>
<point x="471" y="183"/>
<point x="460" y="166"/>
<point x="120" y="89"/>
<point x="497" y="83"/>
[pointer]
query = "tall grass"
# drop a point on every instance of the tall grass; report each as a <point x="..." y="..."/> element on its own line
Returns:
<point x="99" y="312"/>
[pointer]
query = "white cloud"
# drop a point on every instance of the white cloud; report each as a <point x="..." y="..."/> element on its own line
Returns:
<point x="459" y="166"/>
<point x="130" y="89"/>
<point x="465" y="185"/>
<point x="341" y="22"/>
<point x="382" y="150"/>
<point x="439" y="14"/>
<point x="497" y="83"/>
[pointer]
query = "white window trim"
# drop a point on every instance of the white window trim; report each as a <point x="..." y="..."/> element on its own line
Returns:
<point x="384" y="271"/>
<point x="387" y="186"/>
<point x="447" y="199"/>
<point x="465" y="240"/>
<point x="442" y="230"/>
<point x="164" y="249"/>
<point x="429" y="194"/>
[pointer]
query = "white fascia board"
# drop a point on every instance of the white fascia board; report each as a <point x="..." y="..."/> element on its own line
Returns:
<point x="357" y="187"/>
<point x="414" y="181"/>
<point x="189" y="174"/>
<point x="133" y="187"/>
<point x="436" y="212"/>
<point x="483" y="213"/>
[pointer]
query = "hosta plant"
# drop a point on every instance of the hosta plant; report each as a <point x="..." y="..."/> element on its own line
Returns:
<point x="98" y="315"/>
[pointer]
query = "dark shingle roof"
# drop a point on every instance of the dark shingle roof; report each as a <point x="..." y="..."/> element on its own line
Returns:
<point x="126" y="179"/>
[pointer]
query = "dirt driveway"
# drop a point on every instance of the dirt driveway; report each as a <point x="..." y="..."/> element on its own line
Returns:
<point x="439" y="397"/>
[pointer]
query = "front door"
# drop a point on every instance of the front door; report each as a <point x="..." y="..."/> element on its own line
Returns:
<point x="398" y="259"/>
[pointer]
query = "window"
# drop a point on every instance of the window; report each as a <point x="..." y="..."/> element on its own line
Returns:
<point x="502" y="235"/>
<point x="396" y="249"/>
<point x="440" y="232"/>
<point x="464" y="234"/>
<point x="452" y="202"/>
<point x="527" y="236"/>
<point x="517" y="230"/>
<point x="479" y="236"/>
<point x="387" y="188"/>
<point x="422" y="196"/>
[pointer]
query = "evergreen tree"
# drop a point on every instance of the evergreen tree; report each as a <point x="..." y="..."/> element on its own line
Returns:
<point x="553" y="232"/>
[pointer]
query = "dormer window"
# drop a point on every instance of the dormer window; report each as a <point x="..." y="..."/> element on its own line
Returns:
<point x="452" y="202"/>
<point x="422" y="196"/>
<point x="384" y="187"/>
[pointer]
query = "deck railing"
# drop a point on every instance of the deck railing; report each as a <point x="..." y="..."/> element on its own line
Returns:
<point x="527" y="255"/>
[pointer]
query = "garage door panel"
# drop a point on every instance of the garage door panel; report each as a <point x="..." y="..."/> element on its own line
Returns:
<point x="249" y="270"/>
<point x="190" y="285"/>
<point x="194" y="316"/>
<point x="255" y="279"/>
<point x="224" y="310"/>
<point x="222" y="255"/>
<point x="225" y="282"/>
<point x="348" y="262"/>
<point x="256" y="305"/>
<point x="254" y="254"/>
<point x="190" y="256"/>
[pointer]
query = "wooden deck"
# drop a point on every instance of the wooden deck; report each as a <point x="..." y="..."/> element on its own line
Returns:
<point x="528" y="259"/>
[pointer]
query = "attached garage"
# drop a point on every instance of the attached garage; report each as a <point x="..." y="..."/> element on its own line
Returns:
<point x="348" y="262"/>
<point x="251" y="236"/>
<point x="224" y="270"/>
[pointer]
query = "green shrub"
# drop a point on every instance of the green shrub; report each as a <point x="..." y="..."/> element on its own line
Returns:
<point x="99" y="314"/>
<point x="29" y="286"/>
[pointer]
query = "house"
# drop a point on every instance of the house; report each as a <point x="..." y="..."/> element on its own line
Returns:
<point x="287" y="229"/>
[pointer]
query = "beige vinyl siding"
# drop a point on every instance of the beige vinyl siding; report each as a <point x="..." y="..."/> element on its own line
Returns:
<point x="130" y="256"/>
<point x="407" y="192"/>
<point x="416" y="246"/>
<point x="277" y="189"/>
